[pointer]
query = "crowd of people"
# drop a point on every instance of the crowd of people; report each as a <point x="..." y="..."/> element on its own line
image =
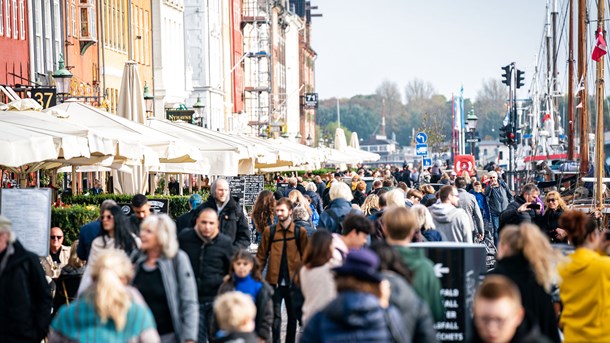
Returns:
<point x="330" y="254"/>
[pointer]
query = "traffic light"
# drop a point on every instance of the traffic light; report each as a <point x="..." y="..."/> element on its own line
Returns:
<point x="507" y="136"/>
<point x="506" y="75"/>
<point x="520" y="78"/>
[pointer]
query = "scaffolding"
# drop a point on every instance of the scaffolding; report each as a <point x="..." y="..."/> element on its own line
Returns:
<point x="256" y="28"/>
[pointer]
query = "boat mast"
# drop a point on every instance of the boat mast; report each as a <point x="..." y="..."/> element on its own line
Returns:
<point x="571" y="82"/>
<point x="599" y="115"/>
<point x="554" y="98"/>
<point x="583" y="114"/>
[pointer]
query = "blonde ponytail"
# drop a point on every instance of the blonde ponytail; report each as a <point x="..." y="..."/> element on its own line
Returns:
<point x="110" y="273"/>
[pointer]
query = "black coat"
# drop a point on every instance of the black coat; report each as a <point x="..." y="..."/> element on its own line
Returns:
<point x="536" y="301"/>
<point x="185" y="221"/>
<point x="25" y="301"/>
<point x="233" y="222"/>
<point x="359" y="198"/>
<point x="548" y="222"/>
<point x="210" y="261"/>
<point x="510" y="216"/>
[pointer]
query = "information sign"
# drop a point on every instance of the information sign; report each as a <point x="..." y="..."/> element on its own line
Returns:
<point x="421" y="149"/>
<point x="421" y="137"/>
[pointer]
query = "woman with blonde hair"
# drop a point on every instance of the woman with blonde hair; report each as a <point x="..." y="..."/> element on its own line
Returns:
<point x="549" y="221"/>
<point x="298" y="199"/>
<point x="370" y="205"/>
<point x="109" y="310"/>
<point x="429" y="193"/>
<point x="527" y="258"/>
<point x="426" y="224"/>
<point x="164" y="277"/>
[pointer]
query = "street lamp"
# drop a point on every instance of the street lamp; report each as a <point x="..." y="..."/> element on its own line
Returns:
<point x="471" y="121"/>
<point x="62" y="77"/>
<point x="148" y="99"/>
<point x="321" y="142"/>
<point x="199" y="106"/>
<point x="308" y="140"/>
<point x="298" y="137"/>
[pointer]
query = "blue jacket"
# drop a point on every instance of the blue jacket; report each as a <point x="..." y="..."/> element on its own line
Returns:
<point x="482" y="201"/>
<point x="354" y="317"/>
<point x="340" y="208"/>
<point x="87" y="234"/>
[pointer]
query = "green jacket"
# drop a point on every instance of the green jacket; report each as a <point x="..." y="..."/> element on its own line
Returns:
<point x="424" y="282"/>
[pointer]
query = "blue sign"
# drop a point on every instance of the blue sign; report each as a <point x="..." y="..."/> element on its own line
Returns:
<point x="427" y="162"/>
<point x="421" y="149"/>
<point x="421" y="138"/>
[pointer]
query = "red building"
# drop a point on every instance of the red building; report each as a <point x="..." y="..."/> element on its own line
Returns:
<point x="14" y="48"/>
<point x="237" y="49"/>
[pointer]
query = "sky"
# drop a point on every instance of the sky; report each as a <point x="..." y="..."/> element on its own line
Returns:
<point x="450" y="43"/>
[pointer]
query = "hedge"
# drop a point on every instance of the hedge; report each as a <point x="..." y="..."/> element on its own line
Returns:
<point x="70" y="219"/>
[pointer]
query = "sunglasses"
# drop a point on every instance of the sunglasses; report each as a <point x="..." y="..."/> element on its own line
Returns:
<point x="57" y="237"/>
<point x="552" y="200"/>
<point x="107" y="217"/>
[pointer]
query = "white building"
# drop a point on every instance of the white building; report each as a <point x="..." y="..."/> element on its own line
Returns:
<point x="169" y="58"/>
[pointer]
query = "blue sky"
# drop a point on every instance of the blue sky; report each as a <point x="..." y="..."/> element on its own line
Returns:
<point x="361" y="43"/>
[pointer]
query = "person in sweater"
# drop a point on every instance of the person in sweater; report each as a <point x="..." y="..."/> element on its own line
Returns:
<point x="316" y="278"/>
<point x="585" y="280"/>
<point x="449" y="220"/>
<point x="499" y="317"/>
<point x="401" y="224"/>
<point x="210" y="253"/>
<point x="468" y="203"/>
<point x="245" y="277"/>
<point x="235" y="313"/>
<point x="527" y="258"/>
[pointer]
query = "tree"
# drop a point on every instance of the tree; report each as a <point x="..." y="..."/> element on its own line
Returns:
<point x="490" y="107"/>
<point x="418" y="91"/>
<point x="432" y="125"/>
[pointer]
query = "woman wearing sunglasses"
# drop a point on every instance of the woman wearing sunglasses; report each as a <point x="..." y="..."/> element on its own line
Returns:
<point x="549" y="222"/>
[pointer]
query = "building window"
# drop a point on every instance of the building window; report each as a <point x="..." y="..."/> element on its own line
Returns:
<point x="38" y="37"/>
<point x="73" y="17"/>
<point x="15" y="29"/>
<point x="146" y="39"/>
<point x="2" y="17"/>
<point x="48" y="40"/>
<point x="87" y="20"/>
<point x="21" y="19"/>
<point x="57" y="28"/>
<point x="7" y="17"/>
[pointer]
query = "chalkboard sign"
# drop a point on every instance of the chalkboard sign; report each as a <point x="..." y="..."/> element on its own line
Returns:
<point x="156" y="206"/>
<point x="245" y="187"/>
<point x="459" y="268"/>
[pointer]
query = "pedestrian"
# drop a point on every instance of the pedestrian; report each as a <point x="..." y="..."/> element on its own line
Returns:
<point x="97" y="188"/>
<point x="320" y="185"/>
<point x="115" y="234"/>
<point x="444" y="179"/>
<point x="429" y="193"/>
<point x="109" y="310"/>
<point x="292" y="186"/>
<point x="469" y="203"/>
<point x="210" y="252"/>
<point x="498" y="315"/>
<point x="141" y="209"/>
<point x="298" y="200"/>
<point x="315" y="277"/>
<point x="356" y="232"/>
<point x="526" y="258"/>
<point x="25" y="304"/>
<point x="90" y="231"/>
<point x="361" y="311"/>
<point x="401" y="225"/>
<point x="377" y="186"/>
<point x="263" y="213"/>
<point x="233" y="222"/>
<point x="245" y="276"/>
<point x="316" y="200"/>
<point x="338" y="208"/>
<point x="235" y="313"/>
<point x="477" y="191"/>
<point x="523" y="209"/>
<point x="549" y="221"/>
<point x="426" y="224"/>
<point x="281" y="250"/>
<point x="416" y="317"/>
<point x="584" y="280"/>
<point x="302" y="219"/>
<point x="370" y="205"/>
<point x="435" y="173"/>
<point x="452" y="222"/>
<point x="415" y="197"/>
<point x="359" y="193"/>
<point x="186" y="219"/>
<point x="393" y="198"/>
<point x="173" y="186"/>
<point x="59" y="254"/>
<point x="164" y="277"/>
<point x="69" y="279"/>
<point x="498" y="197"/>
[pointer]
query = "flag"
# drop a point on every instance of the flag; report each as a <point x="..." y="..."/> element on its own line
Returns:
<point x="506" y="118"/>
<point x="546" y="117"/>
<point x="600" y="47"/>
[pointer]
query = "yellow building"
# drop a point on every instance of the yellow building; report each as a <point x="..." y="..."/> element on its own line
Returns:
<point x="125" y="35"/>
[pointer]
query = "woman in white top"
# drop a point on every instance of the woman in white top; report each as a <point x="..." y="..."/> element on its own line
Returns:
<point x="115" y="234"/>
<point x="316" y="277"/>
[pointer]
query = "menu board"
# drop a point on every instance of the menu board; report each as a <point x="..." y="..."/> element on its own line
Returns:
<point x="29" y="211"/>
<point x="245" y="187"/>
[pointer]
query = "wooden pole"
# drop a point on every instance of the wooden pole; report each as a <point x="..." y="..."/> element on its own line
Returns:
<point x="571" y="82"/>
<point x="583" y="113"/>
<point x="599" y="115"/>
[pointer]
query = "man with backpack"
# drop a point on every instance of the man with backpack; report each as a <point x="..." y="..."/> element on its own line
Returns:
<point x="281" y="249"/>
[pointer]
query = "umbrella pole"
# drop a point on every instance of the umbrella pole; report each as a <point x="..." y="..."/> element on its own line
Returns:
<point x="190" y="183"/>
<point x="181" y="181"/>
<point x="74" y="190"/>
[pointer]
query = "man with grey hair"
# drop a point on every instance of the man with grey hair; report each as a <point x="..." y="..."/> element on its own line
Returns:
<point x="25" y="304"/>
<point x="233" y="222"/>
<point x="340" y="205"/>
<point x="292" y="185"/>
<point x="498" y="197"/>
<point x="89" y="231"/>
<point x="524" y="209"/>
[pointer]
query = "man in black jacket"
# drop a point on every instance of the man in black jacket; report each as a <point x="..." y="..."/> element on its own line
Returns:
<point x="233" y="222"/>
<point x="25" y="304"/>
<point x="210" y="254"/>
<point x="524" y="209"/>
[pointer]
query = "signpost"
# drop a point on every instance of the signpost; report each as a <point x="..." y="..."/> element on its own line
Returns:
<point x="421" y="149"/>
<point x="427" y="162"/>
<point x="311" y="100"/>
<point x="421" y="137"/>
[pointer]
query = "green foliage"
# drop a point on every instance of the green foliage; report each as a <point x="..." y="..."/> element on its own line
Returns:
<point x="70" y="219"/>
<point x="178" y="205"/>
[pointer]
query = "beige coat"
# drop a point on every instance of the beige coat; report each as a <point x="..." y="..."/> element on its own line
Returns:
<point x="47" y="262"/>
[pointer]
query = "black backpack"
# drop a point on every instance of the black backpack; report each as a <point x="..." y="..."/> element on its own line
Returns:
<point x="297" y="237"/>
